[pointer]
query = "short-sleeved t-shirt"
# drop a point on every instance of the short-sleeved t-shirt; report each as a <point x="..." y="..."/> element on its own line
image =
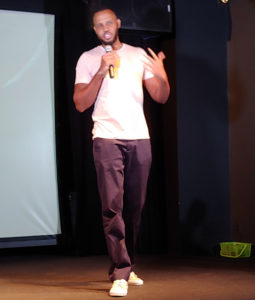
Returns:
<point x="118" y="110"/>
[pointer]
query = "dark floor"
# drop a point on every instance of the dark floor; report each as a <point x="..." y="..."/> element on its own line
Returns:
<point x="54" y="277"/>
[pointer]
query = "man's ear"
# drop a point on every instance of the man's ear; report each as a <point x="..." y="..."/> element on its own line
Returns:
<point x="119" y="23"/>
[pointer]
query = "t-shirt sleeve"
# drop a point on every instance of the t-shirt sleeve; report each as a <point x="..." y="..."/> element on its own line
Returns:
<point x="147" y="75"/>
<point x="82" y="70"/>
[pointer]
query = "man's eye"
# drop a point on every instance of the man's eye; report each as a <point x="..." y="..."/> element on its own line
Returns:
<point x="99" y="26"/>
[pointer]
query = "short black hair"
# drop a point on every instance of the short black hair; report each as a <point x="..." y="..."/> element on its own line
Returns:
<point x="94" y="7"/>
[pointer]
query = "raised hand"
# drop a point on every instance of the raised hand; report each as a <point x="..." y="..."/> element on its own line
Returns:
<point x="154" y="63"/>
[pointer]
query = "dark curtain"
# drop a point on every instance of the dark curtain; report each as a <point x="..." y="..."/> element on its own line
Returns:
<point x="202" y="32"/>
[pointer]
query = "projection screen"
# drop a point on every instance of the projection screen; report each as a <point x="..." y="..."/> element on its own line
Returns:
<point x="29" y="211"/>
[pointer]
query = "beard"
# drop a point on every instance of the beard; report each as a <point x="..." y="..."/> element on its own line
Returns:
<point x="111" y="42"/>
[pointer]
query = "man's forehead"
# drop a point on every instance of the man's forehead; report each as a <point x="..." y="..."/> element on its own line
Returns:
<point x="104" y="15"/>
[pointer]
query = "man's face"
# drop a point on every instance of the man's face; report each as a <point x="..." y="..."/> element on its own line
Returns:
<point x="106" y="26"/>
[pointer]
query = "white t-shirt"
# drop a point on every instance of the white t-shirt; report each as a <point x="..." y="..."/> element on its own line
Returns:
<point x="118" y="110"/>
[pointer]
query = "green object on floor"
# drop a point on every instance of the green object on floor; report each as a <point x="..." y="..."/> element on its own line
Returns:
<point x="235" y="249"/>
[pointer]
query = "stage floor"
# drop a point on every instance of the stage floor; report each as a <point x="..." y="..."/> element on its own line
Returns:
<point x="52" y="277"/>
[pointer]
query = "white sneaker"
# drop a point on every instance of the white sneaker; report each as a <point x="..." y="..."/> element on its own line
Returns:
<point x="119" y="288"/>
<point x="134" y="279"/>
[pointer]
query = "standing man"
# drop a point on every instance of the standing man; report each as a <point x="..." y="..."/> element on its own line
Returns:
<point x="111" y="78"/>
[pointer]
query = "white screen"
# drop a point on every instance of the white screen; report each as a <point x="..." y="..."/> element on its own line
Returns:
<point x="28" y="182"/>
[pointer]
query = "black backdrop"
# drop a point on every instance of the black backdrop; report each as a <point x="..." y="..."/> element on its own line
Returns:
<point x="202" y="33"/>
<point x="188" y="198"/>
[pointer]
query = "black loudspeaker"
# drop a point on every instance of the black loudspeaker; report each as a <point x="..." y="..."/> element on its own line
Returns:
<point x="152" y="15"/>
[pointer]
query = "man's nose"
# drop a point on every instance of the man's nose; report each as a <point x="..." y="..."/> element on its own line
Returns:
<point x="106" y="27"/>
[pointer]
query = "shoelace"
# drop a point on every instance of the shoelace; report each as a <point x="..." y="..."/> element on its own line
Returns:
<point x="121" y="283"/>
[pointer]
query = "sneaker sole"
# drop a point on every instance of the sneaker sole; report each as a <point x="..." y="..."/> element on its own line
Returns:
<point x="135" y="283"/>
<point x="118" y="294"/>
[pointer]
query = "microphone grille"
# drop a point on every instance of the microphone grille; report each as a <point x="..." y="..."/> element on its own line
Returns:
<point x="108" y="48"/>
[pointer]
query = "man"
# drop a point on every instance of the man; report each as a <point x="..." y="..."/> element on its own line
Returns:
<point x="121" y="142"/>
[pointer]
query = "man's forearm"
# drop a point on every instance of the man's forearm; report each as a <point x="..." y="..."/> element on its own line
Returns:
<point x="85" y="94"/>
<point x="158" y="88"/>
<point x="163" y="91"/>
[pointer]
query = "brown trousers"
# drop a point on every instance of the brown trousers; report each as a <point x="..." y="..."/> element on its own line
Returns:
<point x="123" y="168"/>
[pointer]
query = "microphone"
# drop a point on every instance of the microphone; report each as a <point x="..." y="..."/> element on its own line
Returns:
<point x="108" y="48"/>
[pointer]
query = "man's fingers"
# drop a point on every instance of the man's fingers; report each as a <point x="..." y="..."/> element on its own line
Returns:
<point x="147" y="65"/>
<point x="161" y="55"/>
<point x="153" y="54"/>
<point x="147" y="59"/>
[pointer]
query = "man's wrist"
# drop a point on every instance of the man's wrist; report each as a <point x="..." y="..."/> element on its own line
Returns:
<point x="101" y="73"/>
